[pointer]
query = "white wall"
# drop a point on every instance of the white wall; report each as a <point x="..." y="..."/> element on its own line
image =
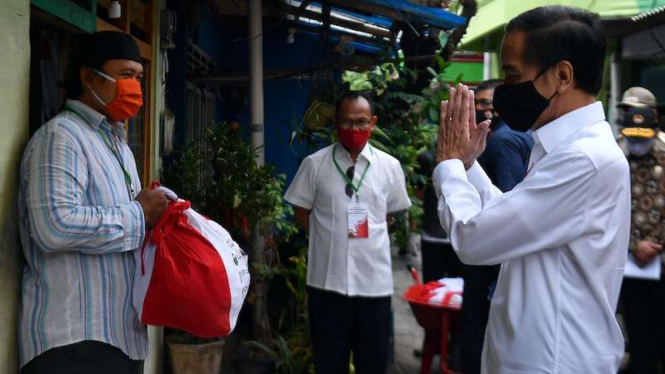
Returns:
<point x="14" y="124"/>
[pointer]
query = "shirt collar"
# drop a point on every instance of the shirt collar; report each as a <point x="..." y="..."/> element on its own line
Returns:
<point x="95" y="119"/>
<point x="555" y="132"/>
<point x="367" y="153"/>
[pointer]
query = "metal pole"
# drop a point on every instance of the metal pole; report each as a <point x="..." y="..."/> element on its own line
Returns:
<point x="260" y="311"/>
<point x="256" y="77"/>
<point x="487" y="65"/>
<point x="615" y="90"/>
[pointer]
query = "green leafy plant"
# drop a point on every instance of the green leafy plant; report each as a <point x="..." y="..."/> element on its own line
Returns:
<point x="290" y="349"/>
<point x="289" y="358"/>
<point x="219" y="175"/>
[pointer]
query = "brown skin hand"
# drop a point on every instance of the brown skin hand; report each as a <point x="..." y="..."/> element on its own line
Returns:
<point x="646" y="251"/>
<point x="355" y="111"/>
<point x="559" y="79"/>
<point x="302" y="216"/>
<point x="105" y="89"/>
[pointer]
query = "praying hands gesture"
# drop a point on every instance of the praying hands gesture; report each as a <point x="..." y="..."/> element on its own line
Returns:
<point x="459" y="136"/>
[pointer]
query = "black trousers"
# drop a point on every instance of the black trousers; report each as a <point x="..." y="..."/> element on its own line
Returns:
<point x="340" y="324"/>
<point x="87" y="357"/>
<point x="439" y="261"/>
<point x="475" y="311"/>
<point x="644" y="312"/>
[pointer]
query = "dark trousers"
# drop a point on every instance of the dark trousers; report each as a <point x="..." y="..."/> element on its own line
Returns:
<point x="644" y="312"/>
<point x="340" y="324"/>
<point x="439" y="261"/>
<point x="87" y="357"/>
<point x="475" y="311"/>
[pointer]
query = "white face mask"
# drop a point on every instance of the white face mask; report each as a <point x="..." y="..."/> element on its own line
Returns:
<point x="640" y="147"/>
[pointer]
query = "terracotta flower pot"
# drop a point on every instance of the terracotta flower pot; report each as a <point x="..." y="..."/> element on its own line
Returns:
<point x="196" y="358"/>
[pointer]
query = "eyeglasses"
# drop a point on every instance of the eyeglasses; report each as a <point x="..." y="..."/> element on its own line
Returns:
<point x="349" y="177"/>
<point x="361" y="123"/>
<point x="483" y="102"/>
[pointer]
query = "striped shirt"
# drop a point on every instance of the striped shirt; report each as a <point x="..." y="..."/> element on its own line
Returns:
<point x="79" y="227"/>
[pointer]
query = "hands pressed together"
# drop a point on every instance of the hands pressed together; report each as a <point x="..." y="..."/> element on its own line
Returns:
<point x="459" y="135"/>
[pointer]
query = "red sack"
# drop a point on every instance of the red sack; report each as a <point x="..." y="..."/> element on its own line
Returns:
<point x="192" y="276"/>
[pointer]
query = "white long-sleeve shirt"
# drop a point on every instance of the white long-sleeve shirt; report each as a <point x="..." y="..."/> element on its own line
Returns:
<point x="79" y="227"/>
<point x="561" y="236"/>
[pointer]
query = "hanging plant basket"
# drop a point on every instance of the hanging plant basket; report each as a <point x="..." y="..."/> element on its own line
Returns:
<point x="319" y="115"/>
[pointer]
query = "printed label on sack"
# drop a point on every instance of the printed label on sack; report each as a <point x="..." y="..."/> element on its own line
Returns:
<point x="358" y="221"/>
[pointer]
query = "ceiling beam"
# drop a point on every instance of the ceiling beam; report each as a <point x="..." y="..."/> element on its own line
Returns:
<point x="334" y="20"/>
<point x="336" y="33"/>
<point x="356" y="6"/>
<point x="302" y="7"/>
<point x="326" y="22"/>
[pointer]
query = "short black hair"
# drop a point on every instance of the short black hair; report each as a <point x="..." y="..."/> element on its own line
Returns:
<point x="353" y="96"/>
<point x="559" y="33"/>
<point x="489" y="85"/>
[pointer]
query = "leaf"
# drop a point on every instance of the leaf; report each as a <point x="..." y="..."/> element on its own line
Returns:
<point x="431" y="71"/>
<point x="380" y="132"/>
<point x="262" y="347"/>
<point x="433" y="114"/>
<point x="439" y="61"/>
<point x="379" y="145"/>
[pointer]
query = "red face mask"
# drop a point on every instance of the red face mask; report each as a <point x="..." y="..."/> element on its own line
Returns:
<point x="353" y="139"/>
<point x="128" y="99"/>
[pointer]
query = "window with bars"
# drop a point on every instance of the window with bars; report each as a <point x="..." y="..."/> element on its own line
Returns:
<point x="201" y="101"/>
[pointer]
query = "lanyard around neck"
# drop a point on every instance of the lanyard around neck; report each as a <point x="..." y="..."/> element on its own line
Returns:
<point x="350" y="181"/>
<point x="128" y="178"/>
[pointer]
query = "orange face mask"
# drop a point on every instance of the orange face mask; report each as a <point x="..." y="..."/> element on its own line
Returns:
<point x="127" y="101"/>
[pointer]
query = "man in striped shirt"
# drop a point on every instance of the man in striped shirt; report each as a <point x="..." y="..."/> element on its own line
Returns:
<point x="81" y="218"/>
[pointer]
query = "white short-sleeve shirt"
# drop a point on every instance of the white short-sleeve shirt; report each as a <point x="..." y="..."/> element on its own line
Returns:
<point x="353" y="267"/>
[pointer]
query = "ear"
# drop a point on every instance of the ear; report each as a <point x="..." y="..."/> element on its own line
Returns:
<point x="373" y="122"/>
<point x="565" y="76"/>
<point x="86" y="75"/>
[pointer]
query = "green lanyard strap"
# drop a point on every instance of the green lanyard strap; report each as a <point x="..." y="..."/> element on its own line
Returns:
<point x="128" y="178"/>
<point x="107" y="141"/>
<point x="350" y="181"/>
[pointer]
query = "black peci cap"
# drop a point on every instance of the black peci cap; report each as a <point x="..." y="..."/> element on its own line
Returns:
<point x="95" y="49"/>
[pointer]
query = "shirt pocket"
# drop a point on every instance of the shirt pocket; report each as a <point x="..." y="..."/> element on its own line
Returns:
<point x="377" y="202"/>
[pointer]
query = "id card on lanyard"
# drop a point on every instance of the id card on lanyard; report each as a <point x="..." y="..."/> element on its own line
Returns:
<point x="358" y="220"/>
<point x="357" y="212"/>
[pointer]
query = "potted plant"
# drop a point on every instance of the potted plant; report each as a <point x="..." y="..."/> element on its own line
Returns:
<point x="219" y="176"/>
<point x="190" y="355"/>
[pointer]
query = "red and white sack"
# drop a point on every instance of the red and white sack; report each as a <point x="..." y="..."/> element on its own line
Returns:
<point x="190" y="274"/>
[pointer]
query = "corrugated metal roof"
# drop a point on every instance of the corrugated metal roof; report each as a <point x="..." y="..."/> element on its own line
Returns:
<point x="421" y="14"/>
<point x="648" y="14"/>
